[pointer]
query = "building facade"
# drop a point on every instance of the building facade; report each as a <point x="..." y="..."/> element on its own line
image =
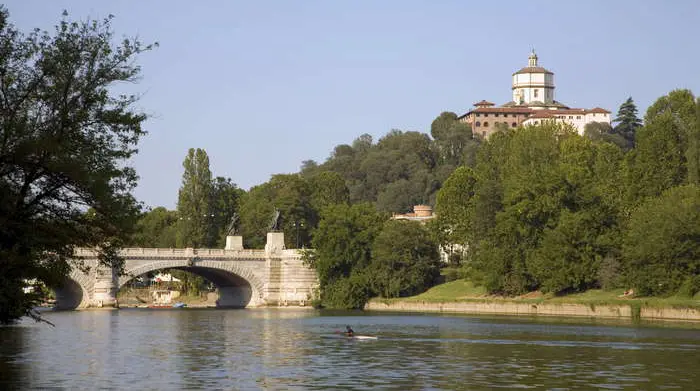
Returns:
<point x="533" y="103"/>
<point x="421" y="213"/>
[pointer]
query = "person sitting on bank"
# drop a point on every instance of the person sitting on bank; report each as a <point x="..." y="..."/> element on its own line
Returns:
<point x="349" y="331"/>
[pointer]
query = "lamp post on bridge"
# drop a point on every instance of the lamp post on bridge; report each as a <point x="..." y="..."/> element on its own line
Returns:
<point x="297" y="225"/>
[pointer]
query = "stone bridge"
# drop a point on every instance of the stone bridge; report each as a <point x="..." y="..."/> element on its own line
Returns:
<point x="274" y="276"/>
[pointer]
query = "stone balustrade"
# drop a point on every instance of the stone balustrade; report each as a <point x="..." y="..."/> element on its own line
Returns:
<point x="82" y="252"/>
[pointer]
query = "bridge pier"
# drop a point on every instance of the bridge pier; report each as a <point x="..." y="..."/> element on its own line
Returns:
<point x="106" y="285"/>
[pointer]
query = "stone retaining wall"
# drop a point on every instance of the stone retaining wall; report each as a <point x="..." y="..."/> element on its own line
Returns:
<point x="545" y="309"/>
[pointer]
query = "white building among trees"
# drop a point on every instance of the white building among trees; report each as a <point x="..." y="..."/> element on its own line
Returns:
<point x="533" y="102"/>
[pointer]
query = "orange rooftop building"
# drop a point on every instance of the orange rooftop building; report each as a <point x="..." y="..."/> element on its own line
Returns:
<point x="533" y="102"/>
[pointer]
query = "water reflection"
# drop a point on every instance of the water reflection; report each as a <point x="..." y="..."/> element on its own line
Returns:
<point x="13" y="368"/>
<point x="289" y="349"/>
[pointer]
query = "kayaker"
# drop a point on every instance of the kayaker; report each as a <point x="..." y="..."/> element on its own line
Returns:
<point x="349" y="331"/>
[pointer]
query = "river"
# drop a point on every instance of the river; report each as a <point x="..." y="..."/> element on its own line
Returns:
<point x="289" y="349"/>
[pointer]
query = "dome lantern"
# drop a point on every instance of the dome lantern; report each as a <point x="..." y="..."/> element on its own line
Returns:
<point x="532" y="60"/>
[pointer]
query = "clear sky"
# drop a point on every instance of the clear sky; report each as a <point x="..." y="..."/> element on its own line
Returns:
<point x="265" y="85"/>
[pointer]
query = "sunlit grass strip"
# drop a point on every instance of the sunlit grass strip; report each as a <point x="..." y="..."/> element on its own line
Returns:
<point x="466" y="291"/>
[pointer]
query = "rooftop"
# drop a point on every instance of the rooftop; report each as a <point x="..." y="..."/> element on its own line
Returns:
<point x="533" y="70"/>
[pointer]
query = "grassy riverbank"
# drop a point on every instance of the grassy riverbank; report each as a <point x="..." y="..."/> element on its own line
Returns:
<point x="463" y="297"/>
<point x="466" y="291"/>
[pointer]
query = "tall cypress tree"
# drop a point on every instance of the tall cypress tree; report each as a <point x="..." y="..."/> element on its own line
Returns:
<point x="627" y="121"/>
<point x="194" y="202"/>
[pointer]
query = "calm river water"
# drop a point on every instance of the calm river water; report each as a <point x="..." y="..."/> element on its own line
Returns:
<point x="283" y="349"/>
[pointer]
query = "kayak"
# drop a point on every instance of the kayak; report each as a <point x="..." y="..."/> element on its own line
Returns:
<point x="349" y="337"/>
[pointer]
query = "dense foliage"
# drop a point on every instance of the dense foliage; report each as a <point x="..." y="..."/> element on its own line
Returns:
<point x="66" y="143"/>
<point x="662" y="244"/>
<point x="358" y="254"/>
<point x="537" y="207"/>
<point x="405" y="260"/>
<point x="342" y="252"/>
<point x="547" y="209"/>
<point x="403" y="168"/>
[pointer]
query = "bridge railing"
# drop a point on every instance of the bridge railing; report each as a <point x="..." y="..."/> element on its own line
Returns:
<point x="177" y="252"/>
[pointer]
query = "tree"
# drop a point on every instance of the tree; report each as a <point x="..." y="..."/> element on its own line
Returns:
<point x="195" y="208"/>
<point x="405" y="260"/>
<point x="327" y="188"/>
<point x="657" y="163"/>
<point x="441" y="125"/>
<point x="402" y="168"/>
<point x="291" y="195"/>
<point x="455" y="206"/>
<point x="402" y="194"/>
<point x="679" y="102"/>
<point x="156" y="228"/>
<point x="662" y="245"/>
<point x="627" y="122"/>
<point x="363" y="143"/>
<point x="66" y="142"/>
<point x="452" y="138"/>
<point x="308" y="167"/>
<point x="680" y="110"/>
<point x="256" y="212"/>
<point x="224" y="203"/>
<point x="693" y="153"/>
<point x="342" y="248"/>
<point x="535" y="200"/>
<point x="194" y="203"/>
<point x="602" y="131"/>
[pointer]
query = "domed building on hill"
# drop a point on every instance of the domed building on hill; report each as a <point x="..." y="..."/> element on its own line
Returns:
<point x="533" y="102"/>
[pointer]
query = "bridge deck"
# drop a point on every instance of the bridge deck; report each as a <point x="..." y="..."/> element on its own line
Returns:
<point x="177" y="253"/>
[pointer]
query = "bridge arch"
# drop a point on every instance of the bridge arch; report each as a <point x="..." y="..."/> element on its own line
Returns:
<point x="238" y="285"/>
<point x="75" y="292"/>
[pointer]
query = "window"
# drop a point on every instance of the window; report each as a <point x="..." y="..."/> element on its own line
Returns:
<point x="505" y="115"/>
<point x="537" y="92"/>
<point x="478" y="124"/>
<point x="513" y="124"/>
<point x="571" y="117"/>
<point x="486" y="114"/>
<point x="496" y="115"/>
<point x="486" y="124"/>
<point x="578" y="117"/>
<point x="478" y="115"/>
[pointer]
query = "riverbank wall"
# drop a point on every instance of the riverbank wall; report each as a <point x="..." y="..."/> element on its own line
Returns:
<point x="633" y="311"/>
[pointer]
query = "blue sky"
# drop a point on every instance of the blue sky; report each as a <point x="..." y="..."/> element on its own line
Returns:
<point x="264" y="85"/>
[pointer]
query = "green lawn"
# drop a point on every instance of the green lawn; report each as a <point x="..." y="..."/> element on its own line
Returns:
<point x="451" y="291"/>
<point x="463" y="290"/>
